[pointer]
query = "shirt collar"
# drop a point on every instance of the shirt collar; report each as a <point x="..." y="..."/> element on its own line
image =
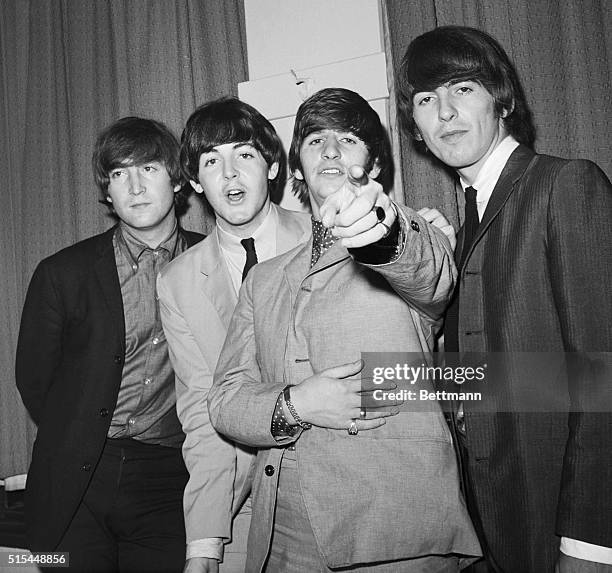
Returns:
<point x="231" y="242"/>
<point x="322" y="240"/>
<point x="135" y="247"/>
<point x="490" y="171"/>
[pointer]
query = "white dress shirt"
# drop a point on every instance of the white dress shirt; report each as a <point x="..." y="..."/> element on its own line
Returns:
<point x="234" y="254"/>
<point x="484" y="184"/>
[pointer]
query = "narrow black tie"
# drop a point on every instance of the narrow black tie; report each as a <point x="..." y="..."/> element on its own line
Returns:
<point x="470" y="226"/>
<point x="251" y="255"/>
<point x="471" y="222"/>
<point x="453" y="408"/>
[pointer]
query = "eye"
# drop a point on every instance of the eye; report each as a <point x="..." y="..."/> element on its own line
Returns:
<point x="246" y="155"/>
<point x="423" y="100"/>
<point x="210" y="161"/>
<point x="348" y="139"/>
<point x="149" y="168"/>
<point x="115" y="174"/>
<point x="464" y="90"/>
<point x="315" y="141"/>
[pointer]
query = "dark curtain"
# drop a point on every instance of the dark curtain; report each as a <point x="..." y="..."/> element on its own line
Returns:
<point x="67" y="69"/>
<point x="563" y="53"/>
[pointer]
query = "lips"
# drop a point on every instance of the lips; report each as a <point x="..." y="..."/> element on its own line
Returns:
<point x="235" y="195"/>
<point x="453" y="135"/>
<point x="331" y="171"/>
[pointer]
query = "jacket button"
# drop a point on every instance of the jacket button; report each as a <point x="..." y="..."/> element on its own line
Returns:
<point x="269" y="470"/>
<point x="118" y="359"/>
<point x="104" y="412"/>
<point x="85" y="467"/>
<point x="415" y="226"/>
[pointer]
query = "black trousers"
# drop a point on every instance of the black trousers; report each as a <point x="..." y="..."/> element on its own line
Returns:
<point x="131" y="517"/>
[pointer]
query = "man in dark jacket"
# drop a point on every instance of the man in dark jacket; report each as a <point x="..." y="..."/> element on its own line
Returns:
<point x="107" y="476"/>
<point x="535" y="265"/>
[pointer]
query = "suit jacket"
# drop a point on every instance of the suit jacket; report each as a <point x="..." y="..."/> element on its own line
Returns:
<point x="196" y="301"/>
<point x="389" y="493"/>
<point x="69" y="363"/>
<point x="537" y="279"/>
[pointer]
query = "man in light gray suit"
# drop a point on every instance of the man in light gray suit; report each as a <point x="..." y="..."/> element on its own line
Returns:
<point x="231" y="154"/>
<point x="336" y="485"/>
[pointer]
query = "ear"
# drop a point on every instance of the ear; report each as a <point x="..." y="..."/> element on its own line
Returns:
<point x="298" y="175"/>
<point x="375" y="171"/>
<point x="506" y="112"/>
<point x="417" y="135"/>
<point x="196" y="186"/>
<point x="273" y="171"/>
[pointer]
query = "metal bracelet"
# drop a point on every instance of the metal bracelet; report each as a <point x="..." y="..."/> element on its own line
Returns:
<point x="291" y="408"/>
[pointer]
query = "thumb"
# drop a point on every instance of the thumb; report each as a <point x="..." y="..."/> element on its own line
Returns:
<point x="343" y="370"/>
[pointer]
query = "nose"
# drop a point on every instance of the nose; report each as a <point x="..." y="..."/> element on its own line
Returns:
<point x="136" y="185"/>
<point x="330" y="150"/>
<point x="446" y="108"/>
<point x="229" y="170"/>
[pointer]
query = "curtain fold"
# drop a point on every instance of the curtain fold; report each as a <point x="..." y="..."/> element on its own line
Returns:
<point x="563" y="54"/>
<point x="68" y="68"/>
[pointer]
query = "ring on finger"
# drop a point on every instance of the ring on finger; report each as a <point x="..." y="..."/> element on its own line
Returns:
<point x="352" y="429"/>
<point x="362" y="413"/>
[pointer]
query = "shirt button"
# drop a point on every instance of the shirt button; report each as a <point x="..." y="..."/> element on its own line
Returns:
<point x="131" y="421"/>
<point x="118" y="359"/>
<point x="269" y="470"/>
<point x="104" y="412"/>
<point x="86" y="467"/>
<point x="155" y="340"/>
<point x="147" y="380"/>
<point x="135" y="267"/>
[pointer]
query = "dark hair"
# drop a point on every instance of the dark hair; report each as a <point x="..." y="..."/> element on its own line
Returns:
<point x="343" y="110"/>
<point x="458" y="53"/>
<point x="229" y="120"/>
<point x="134" y="141"/>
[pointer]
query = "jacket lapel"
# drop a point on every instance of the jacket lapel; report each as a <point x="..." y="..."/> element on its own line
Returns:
<point x="517" y="164"/>
<point x="216" y="282"/>
<point x="105" y="268"/>
<point x="298" y="268"/>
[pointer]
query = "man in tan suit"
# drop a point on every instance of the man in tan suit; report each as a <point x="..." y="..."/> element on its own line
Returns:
<point x="231" y="154"/>
<point x="336" y="485"/>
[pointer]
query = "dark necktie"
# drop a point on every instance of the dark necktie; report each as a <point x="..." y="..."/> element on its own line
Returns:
<point x="251" y="255"/>
<point x="471" y="222"/>
<point x="470" y="226"/>
<point x="454" y="409"/>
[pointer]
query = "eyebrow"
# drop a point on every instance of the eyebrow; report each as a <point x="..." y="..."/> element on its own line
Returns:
<point x="236" y="145"/>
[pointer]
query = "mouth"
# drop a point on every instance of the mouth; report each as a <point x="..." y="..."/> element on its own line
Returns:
<point x="331" y="171"/>
<point x="235" y="195"/>
<point x="139" y="205"/>
<point x="453" y="135"/>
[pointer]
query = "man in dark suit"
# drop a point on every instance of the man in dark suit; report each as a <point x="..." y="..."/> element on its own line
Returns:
<point x="107" y="476"/>
<point x="535" y="263"/>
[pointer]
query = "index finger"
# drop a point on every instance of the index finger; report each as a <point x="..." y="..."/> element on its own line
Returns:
<point x="357" y="176"/>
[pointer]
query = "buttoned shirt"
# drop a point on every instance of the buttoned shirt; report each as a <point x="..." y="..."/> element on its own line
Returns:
<point x="145" y="407"/>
